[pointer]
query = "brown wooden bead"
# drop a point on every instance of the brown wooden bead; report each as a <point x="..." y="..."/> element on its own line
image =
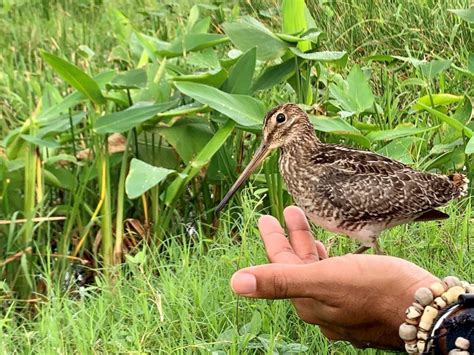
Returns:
<point x="437" y="289"/>
<point x="452" y="295"/>
<point x="423" y="296"/>
<point x="412" y="321"/>
<point x="439" y="303"/>
<point x="426" y="320"/>
<point x="407" y="332"/>
<point x="462" y="343"/>
<point x="421" y="344"/>
<point x="452" y="281"/>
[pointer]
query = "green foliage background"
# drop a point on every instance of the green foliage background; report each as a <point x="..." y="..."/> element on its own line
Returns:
<point x="131" y="119"/>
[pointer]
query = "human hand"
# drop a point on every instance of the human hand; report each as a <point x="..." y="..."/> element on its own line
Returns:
<point x="356" y="297"/>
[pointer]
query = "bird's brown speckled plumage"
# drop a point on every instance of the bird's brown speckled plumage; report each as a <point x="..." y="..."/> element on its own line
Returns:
<point x="349" y="191"/>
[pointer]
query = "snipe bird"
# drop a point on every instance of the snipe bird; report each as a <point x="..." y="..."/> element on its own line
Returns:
<point x="348" y="191"/>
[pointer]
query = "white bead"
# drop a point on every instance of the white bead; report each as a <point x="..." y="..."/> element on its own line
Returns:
<point x="458" y="352"/>
<point x="452" y="281"/>
<point x="423" y="296"/>
<point x="420" y="344"/>
<point x="413" y="312"/>
<point x="407" y="332"/>
<point x="422" y="335"/>
<point x="452" y="295"/>
<point x="437" y="289"/>
<point x="462" y="343"/>
<point x="439" y="302"/>
<point x="427" y="318"/>
<point x="411" y="348"/>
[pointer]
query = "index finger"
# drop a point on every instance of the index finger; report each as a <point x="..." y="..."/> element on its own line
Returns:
<point x="277" y="246"/>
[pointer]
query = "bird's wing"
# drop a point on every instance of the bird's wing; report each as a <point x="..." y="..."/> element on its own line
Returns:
<point x="357" y="161"/>
<point x="379" y="197"/>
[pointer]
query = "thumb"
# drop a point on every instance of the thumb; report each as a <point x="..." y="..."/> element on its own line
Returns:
<point x="275" y="281"/>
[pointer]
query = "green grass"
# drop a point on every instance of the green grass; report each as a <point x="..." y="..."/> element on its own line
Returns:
<point x="177" y="299"/>
<point x="174" y="295"/>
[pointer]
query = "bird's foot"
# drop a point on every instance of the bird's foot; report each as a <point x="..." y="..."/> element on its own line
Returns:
<point x="378" y="249"/>
<point x="362" y="249"/>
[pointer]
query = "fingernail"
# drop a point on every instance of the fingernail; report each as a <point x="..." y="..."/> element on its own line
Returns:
<point x="243" y="283"/>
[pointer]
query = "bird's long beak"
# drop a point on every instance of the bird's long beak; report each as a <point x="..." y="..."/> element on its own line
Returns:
<point x="260" y="154"/>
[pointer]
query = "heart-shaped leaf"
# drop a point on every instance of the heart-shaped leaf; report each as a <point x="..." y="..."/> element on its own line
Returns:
<point x="249" y="33"/>
<point x="143" y="176"/>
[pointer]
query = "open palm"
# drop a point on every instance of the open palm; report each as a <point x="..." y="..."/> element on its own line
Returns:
<point x="359" y="298"/>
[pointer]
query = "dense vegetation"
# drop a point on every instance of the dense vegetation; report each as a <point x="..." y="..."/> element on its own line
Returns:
<point x="123" y="124"/>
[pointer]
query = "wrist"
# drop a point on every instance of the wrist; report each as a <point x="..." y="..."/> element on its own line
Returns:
<point x="400" y="303"/>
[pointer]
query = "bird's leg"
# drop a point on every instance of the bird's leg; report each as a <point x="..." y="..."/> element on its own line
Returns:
<point x="378" y="249"/>
<point x="362" y="249"/>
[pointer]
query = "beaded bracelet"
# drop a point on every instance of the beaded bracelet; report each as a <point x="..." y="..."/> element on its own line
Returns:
<point x="429" y="302"/>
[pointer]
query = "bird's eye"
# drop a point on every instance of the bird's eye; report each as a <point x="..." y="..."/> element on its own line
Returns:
<point x="280" y="118"/>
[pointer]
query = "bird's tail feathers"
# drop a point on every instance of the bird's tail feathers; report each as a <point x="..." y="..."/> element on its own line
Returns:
<point x="461" y="182"/>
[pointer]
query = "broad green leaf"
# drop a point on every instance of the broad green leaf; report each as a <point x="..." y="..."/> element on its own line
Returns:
<point x="241" y="75"/>
<point x="325" y="56"/>
<point x="245" y="110"/>
<point x="132" y="79"/>
<point x="333" y="125"/>
<point x="431" y="69"/>
<point x="191" y="42"/>
<point x="400" y="149"/>
<point x="75" y="77"/>
<point x="470" y="146"/>
<point x="446" y="148"/>
<point x="340" y="127"/>
<point x="294" y="20"/>
<point x="312" y="35"/>
<point x="143" y="176"/>
<point x="47" y="143"/>
<point x="195" y="166"/>
<point x="60" y="177"/>
<point x="125" y="120"/>
<point x="188" y="136"/>
<point x="355" y="95"/>
<point x="399" y="132"/>
<point x="275" y="75"/>
<point x="359" y="89"/>
<point x="213" y="77"/>
<point x="249" y="33"/>
<point x="464" y="111"/>
<point x="436" y="100"/>
<point x="183" y="110"/>
<point x="465" y="14"/>
<point x="75" y="98"/>
<point x="448" y="120"/>
<point x="58" y="124"/>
